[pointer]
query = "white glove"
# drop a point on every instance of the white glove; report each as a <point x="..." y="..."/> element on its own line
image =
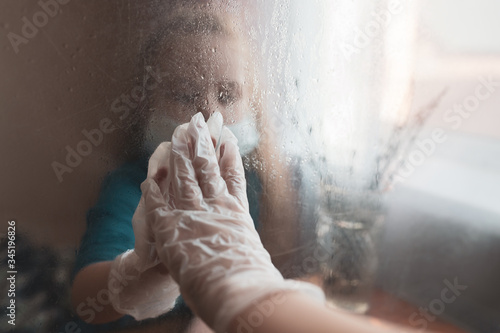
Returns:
<point x="203" y="231"/>
<point x="139" y="290"/>
<point x="144" y="288"/>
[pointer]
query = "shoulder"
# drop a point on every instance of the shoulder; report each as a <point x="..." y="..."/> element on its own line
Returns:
<point x="123" y="184"/>
<point x="128" y="174"/>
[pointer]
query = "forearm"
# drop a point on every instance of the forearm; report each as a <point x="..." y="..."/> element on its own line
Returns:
<point x="295" y="312"/>
<point x="90" y="294"/>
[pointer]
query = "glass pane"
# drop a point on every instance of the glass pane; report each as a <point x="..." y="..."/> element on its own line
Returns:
<point x="368" y="132"/>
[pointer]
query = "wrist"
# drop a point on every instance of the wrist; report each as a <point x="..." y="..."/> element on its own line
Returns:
<point x="122" y="272"/>
<point x="234" y="294"/>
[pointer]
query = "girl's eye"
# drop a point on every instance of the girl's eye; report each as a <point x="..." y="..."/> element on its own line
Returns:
<point x="229" y="93"/>
<point x="226" y="97"/>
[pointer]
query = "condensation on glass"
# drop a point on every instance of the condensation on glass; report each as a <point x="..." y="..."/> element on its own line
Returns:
<point x="364" y="175"/>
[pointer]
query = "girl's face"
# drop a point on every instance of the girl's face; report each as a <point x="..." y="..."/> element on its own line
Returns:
<point x="203" y="74"/>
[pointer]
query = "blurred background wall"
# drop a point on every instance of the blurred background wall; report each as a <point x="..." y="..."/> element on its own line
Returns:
<point x="56" y="83"/>
<point x="443" y="217"/>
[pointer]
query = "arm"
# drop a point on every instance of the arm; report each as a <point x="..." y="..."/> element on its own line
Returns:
<point x="89" y="294"/>
<point x="105" y="291"/>
<point x="112" y="280"/>
<point x="297" y="313"/>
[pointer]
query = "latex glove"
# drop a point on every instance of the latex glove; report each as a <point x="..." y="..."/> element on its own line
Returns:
<point x="139" y="290"/>
<point x="139" y="283"/>
<point x="149" y="291"/>
<point x="203" y="231"/>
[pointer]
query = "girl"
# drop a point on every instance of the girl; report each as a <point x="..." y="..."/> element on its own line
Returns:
<point x="205" y="66"/>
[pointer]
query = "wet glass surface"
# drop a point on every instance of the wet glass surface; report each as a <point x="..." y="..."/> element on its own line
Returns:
<point x="369" y="134"/>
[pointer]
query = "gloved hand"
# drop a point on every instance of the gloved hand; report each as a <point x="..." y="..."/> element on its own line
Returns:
<point x="145" y="289"/>
<point x="138" y="282"/>
<point x="138" y="290"/>
<point x="198" y="213"/>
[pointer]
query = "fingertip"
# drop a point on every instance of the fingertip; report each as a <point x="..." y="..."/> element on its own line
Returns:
<point x="159" y="158"/>
<point x="198" y="120"/>
<point x="214" y="124"/>
<point x="200" y="138"/>
<point x="161" y="175"/>
<point x="217" y="118"/>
